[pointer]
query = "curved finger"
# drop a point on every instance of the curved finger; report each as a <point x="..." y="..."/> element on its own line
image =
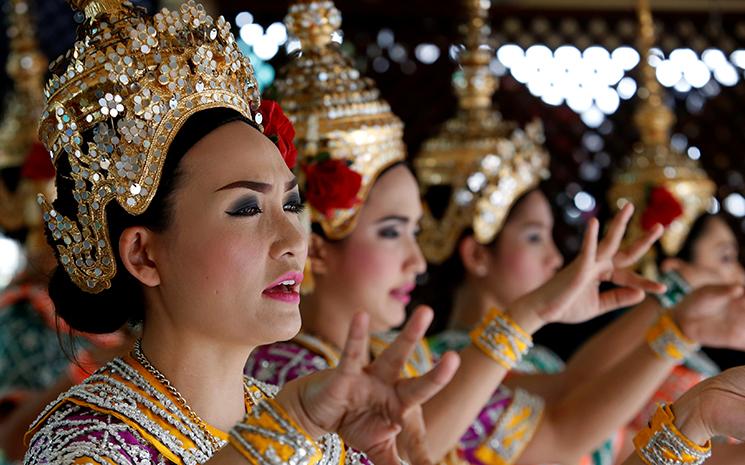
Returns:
<point x="619" y="298"/>
<point x="388" y="365"/>
<point x="639" y="248"/>
<point x="612" y="240"/>
<point x="385" y="453"/>
<point x="416" y="391"/>
<point x="355" y="353"/>
<point x="628" y="278"/>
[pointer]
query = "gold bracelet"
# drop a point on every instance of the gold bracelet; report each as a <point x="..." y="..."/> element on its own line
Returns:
<point x="267" y="436"/>
<point x="661" y="443"/>
<point x="501" y="339"/>
<point x="668" y="341"/>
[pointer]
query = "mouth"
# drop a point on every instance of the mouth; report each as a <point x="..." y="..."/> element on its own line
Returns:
<point x="403" y="293"/>
<point x="286" y="288"/>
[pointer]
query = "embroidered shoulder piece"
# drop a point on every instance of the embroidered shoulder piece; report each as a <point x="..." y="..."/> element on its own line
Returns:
<point x="120" y="390"/>
<point x="282" y="362"/>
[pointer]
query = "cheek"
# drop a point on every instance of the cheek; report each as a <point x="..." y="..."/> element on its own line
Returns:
<point x="520" y="269"/>
<point x="367" y="265"/>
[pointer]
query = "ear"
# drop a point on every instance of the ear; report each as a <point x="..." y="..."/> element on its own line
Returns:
<point x="136" y="250"/>
<point x="474" y="256"/>
<point x="318" y="254"/>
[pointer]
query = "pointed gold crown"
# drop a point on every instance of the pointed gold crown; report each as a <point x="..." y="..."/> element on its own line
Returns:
<point x="486" y="162"/>
<point x="115" y="102"/>
<point x="654" y="162"/>
<point x="26" y="66"/>
<point x="336" y="112"/>
<point x="18" y="129"/>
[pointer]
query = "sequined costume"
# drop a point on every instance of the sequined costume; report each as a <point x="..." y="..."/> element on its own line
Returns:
<point x="122" y="415"/>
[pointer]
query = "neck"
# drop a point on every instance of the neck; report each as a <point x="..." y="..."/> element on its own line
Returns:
<point x="470" y="303"/>
<point x="208" y="374"/>
<point x="325" y="316"/>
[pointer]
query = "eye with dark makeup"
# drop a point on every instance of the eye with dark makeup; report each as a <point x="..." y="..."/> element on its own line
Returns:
<point x="294" y="204"/>
<point x="247" y="206"/>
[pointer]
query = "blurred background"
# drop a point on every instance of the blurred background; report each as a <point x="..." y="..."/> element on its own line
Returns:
<point x="569" y="62"/>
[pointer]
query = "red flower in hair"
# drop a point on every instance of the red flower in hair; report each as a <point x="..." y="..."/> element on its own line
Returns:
<point x="662" y="208"/>
<point x="279" y="129"/>
<point x="38" y="164"/>
<point x="331" y="184"/>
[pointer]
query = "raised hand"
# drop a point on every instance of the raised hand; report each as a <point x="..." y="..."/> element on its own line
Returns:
<point x="714" y="316"/>
<point x="370" y="404"/>
<point x="573" y="295"/>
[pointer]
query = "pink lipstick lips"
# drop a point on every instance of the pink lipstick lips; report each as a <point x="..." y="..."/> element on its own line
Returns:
<point x="286" y="288"/>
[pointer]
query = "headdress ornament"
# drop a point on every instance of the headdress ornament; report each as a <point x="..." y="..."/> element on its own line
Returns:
<point x="665" y="186"/>
<point x="115" y="102"/>
<point x="486" y="162"/>
<point x="346" y="134"/>
<point x="19" y="145"/>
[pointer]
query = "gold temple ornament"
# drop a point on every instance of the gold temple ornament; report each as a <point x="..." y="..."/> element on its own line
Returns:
<point x="487" y="162"/>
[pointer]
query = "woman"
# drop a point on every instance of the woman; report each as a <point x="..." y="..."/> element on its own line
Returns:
<point x="146" y="225"/>
<point x="364" y="254"/>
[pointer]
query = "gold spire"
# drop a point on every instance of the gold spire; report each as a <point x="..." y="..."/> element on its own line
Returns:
<point x="93" y="8"/>
<point x="654" y="162"/>
<point x="335" y="110"/>
<point x="26" y="66"/>
<point x="486" y="162"/>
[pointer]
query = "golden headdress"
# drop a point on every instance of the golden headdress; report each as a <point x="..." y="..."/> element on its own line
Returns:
<point x="115" y="102"/>
<point x="338" y="115"/>
<point x="654" y="164"/>
<point x="19" y="127"/>
<point x="487" y="162"/>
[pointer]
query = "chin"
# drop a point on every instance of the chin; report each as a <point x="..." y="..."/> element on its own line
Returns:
<point x="395" y="316"/>
<point x="281" y="324"/>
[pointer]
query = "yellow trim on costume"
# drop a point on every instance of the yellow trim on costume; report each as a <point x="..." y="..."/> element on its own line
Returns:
<point x="662" y="442"/>
<point x="668" y="341"/>
<point x="513" y="431"/>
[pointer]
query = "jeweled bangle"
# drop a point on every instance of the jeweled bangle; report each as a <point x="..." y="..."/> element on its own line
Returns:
<point x="661" y="443"/>
<point x="500" y="338"/>
<point x="677" y="288"/>
<point x="666" y="339"/>
<point x="267" y="436"/>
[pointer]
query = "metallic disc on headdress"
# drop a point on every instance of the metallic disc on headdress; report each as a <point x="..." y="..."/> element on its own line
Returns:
<point x="115" y="102"/>
<point x="487" y="163"/>
<point x="654" y="162"/>
<point x="335" y="110"/>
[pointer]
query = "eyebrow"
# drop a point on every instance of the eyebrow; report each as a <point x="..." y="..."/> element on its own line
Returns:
<point x="257" y="186"/>
<point x="535" y="224"/>
<point x="396" y="218"/>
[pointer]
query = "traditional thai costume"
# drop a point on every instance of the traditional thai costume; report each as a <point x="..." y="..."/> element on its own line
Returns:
<point x="116" y="102"/>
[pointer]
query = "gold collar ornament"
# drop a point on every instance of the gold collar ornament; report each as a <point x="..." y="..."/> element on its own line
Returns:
<point x="654" y="165"/>
<point x="486" y="162"/>
<point x="339" y="117"/>
<point x="115" y="102"/>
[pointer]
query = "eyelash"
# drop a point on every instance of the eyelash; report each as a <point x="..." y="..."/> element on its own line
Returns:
<point x="292" y="206"/>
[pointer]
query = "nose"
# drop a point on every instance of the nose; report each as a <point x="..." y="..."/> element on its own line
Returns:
<point x="415" y="261"/>
<point x="555" y="259"/>
<point x="290" y="238"/>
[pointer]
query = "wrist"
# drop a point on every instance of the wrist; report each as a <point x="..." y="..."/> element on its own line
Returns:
<point x="524" y="315"/>
<point x="688" y="421"/>
<point x="290" y="398"/>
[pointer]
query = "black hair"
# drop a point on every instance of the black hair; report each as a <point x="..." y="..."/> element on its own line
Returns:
<point x="439" y="287"/>
<point x="123" y="302"/>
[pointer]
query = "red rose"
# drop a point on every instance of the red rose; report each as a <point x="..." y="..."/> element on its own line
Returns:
<point x="279" y="129"/>
<point x="663" y="208"/>
<point x="38" y="164"/>
<point x="330" y="185"/>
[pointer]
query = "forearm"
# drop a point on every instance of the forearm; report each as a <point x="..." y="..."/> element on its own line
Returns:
<point x="612" y="344"/>
<point x="593" y="411"/>
<point x="448" y="414"/>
